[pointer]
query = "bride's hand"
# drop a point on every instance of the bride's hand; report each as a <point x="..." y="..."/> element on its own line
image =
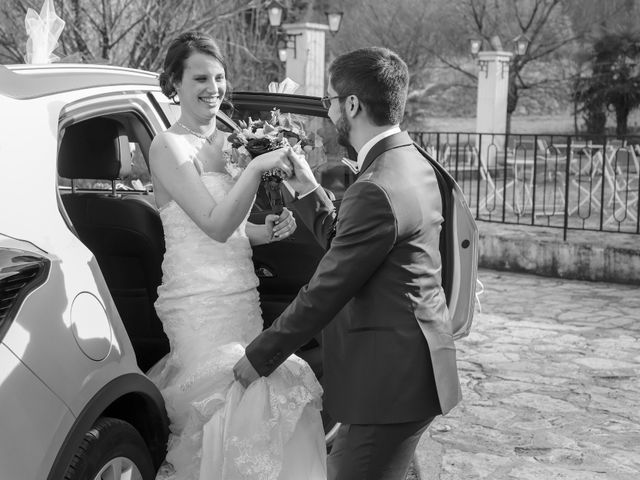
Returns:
<point x="271" y="160"/>
<point x="280" y="227"/>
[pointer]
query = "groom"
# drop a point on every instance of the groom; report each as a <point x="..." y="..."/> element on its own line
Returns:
<point x="389" y="357"/>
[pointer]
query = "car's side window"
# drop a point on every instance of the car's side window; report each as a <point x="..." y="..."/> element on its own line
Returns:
<point x="135" y="177"/>
<point x="139" y="177"/>
<point x="120" y="163"/>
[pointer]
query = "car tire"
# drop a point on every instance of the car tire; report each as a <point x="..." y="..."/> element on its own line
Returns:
<point x="111" y="444"/>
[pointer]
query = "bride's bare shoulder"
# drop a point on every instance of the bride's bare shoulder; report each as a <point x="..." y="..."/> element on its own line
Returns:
<point x="168" y="140"/>
<point x="167" y="137"/>
<point x="168" y="148"/>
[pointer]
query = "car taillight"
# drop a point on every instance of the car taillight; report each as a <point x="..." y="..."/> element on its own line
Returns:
<point x="20" y="273"/>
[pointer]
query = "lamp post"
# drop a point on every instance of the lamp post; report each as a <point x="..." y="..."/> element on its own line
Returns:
<point x="306" y="43"/>
<point x="493" y="90"/>
<point x="286" y="41"/>
<point x="334" y="19"/>
<point x="521" y="45"/>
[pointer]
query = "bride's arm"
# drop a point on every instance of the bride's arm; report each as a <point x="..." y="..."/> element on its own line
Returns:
<point x="177" y="175"/>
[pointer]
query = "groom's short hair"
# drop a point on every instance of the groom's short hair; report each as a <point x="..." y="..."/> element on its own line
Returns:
<point x="378" y="77"/>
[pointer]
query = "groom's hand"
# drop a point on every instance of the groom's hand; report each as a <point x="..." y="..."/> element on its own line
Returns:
<point x="302" y="179"/>
<point x="244" y="372"/>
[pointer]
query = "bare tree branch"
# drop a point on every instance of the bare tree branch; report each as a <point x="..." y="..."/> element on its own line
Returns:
<point x="455" y="66"/>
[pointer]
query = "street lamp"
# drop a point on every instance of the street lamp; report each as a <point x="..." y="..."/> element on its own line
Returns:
<point x="474" y="46"/>
<point x="521" y="44"/>
<point x="276" y="12"/>
<point x="282" y="50"/>
<point x="334" y="19"/>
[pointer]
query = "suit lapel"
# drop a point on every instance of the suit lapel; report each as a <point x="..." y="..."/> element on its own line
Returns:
<point x="401" y="139"/>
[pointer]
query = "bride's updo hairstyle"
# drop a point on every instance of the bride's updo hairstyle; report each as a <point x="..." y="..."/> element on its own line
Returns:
<point x="180" y="49"/>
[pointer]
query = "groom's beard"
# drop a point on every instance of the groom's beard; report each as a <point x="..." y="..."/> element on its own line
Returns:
<point x="343" y="127"/>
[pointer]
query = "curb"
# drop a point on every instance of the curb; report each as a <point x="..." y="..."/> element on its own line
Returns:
<point x="593" y="256"/>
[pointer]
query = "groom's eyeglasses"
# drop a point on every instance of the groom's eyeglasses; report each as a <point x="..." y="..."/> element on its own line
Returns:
<point x="326" y="101"/>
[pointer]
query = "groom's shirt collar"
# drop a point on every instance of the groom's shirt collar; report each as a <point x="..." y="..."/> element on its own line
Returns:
<point x="362" y="154"/>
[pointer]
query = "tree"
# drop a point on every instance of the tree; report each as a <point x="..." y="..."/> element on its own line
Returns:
<point x="614" y="82"/>
<point x="438" y="31"/>
<point x="404" y="26"/>
<point x="605" y="22"/>
<point x="544" y="23"/>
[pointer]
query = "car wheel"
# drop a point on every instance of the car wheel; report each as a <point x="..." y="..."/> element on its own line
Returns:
<point x="112" y="449"/>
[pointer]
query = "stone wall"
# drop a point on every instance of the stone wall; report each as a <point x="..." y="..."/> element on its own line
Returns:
<point x="595" y="256"/>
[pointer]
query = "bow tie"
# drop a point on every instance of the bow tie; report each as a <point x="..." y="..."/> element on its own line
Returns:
<point x="353" y="166"/>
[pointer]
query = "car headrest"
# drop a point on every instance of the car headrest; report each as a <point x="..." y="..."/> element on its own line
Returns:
<point x="97" y="148"/>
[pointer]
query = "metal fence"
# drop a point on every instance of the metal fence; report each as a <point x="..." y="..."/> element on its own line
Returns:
<point x="561" y="181"/>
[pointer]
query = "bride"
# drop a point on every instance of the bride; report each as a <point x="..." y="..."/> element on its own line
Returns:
<point x="208" y="302"/>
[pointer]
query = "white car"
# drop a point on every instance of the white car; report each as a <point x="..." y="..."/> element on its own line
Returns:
<point x="81" y="246"/>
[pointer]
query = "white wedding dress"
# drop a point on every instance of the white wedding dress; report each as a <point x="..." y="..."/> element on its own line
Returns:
<point x="209" y="307"/>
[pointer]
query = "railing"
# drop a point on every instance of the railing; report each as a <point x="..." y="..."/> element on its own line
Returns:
<point x="567" y="182"/>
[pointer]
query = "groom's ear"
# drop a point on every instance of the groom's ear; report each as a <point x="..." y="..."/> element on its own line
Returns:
<point x="352" y="105"/>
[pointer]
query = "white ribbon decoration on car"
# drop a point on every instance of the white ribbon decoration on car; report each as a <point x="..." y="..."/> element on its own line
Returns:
<point x="43" y="31"/>
<point x="285" y="86"/>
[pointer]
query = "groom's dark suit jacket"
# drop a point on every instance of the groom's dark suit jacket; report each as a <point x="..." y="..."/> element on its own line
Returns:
<point x="389" y="355"/>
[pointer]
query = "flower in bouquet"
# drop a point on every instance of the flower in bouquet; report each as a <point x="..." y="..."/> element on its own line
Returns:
<point x="256" y="137"/>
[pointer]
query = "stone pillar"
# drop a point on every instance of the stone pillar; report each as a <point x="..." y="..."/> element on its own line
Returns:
<point x="491" y="112"/>
<point x="306" y="63"/>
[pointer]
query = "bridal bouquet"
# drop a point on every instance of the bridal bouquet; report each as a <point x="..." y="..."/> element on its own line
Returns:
<point x="256" y="137"/>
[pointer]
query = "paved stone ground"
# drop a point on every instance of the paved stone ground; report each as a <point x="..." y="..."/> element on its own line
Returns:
<point x="550" y="378"/>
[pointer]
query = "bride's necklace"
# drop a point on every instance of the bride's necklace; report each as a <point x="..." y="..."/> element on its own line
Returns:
<point x="208" y="138"/>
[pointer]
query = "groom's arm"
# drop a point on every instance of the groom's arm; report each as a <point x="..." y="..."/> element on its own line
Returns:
<point x="311" y="203"/>
<point x="317" y="212"/>
<point x="365" y="235"/>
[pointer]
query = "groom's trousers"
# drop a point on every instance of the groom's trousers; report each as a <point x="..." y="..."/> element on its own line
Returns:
<point x="374" y="452"/>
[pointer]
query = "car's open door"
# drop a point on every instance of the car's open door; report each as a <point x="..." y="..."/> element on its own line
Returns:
<point x="284" y="267"/>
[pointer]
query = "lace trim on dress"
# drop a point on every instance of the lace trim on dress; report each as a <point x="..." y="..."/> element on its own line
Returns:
<point x="256" y="445"/>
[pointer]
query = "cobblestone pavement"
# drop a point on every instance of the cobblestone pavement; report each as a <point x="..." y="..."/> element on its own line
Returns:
<point x="550" y="378"/>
